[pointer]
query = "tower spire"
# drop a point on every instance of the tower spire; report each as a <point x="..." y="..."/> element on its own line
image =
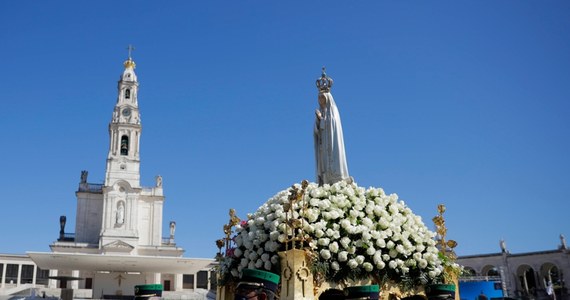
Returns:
<point x="130" y="63"/>
<point x="130" y="48"/>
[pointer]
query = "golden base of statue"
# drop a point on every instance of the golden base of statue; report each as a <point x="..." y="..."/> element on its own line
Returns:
<point x="296" y="276"/>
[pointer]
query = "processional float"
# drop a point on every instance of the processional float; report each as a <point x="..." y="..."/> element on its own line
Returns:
<point x="335" y="240"/>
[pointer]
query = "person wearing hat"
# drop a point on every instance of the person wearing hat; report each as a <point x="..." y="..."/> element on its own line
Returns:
<point x="365" y="292"/>
<point x="257" y="285"/>
<point x="332" y="294"/>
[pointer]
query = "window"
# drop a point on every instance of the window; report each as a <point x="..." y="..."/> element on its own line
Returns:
<point x="202" y="280"/>
<point x="42" y="276"/>
<point x="27" y="274"/>
<point x="124" y="145"/>
<point x="493" y="272"/>
<point x="468" y="271"/>
<point x="11" y="273"/>
<point x="88" y="283"/>
<point x="127" y="93"/>
<point x="188" y="281"/>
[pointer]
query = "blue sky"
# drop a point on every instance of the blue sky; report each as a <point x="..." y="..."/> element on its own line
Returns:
<point x="458" y="102"/>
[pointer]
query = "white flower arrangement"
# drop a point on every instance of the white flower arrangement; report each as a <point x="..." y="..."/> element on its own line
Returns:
<point x="354" y="233"/>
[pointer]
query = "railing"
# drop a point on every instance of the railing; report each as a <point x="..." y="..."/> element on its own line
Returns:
<point x="67" y="237"/>
<point x="168" y="241"/>
<point x="480" y="278"/>
<point x="91" y="187"/>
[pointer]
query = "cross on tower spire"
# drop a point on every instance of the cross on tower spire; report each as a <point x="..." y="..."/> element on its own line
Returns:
<point x="130" y="48"/>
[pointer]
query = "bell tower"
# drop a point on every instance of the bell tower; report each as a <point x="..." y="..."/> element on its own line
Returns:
<point x="123" y="160"/>
<point x="120" y="216"/>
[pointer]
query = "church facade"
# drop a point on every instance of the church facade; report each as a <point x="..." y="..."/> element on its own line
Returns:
<point x="118" y="240"/>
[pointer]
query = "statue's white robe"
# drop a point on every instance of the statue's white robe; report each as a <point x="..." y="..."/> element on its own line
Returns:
<point x="329" y="144"/>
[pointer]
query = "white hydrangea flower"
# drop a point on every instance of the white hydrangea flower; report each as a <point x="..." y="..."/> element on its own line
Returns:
<point x="275" y="259"/>
<point x="380" y="265"/>
<point x="251" y="265"/>
<point x="326" y="254"/>
<point x="238" y="252"/>
<point x="381" y="243"/>
<point x="345" y="242"/>
<point x="333" y="247"/>
<point x="331" y="233"/>
<point x="352" y="264"/>
<point x="366" y="235"/>
<point x="400" y="249"/>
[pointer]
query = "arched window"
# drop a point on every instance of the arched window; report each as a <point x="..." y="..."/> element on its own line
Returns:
<point x="468" y="271"/>
<point x="127" y="93"/>
<point x="124" y="145"/>
<point x="493" y="272"/>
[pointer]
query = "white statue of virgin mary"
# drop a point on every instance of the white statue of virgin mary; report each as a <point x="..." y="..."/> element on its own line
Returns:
<point x="329" y="142"/>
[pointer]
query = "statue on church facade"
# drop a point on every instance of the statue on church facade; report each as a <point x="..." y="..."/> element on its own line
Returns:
<point x="120" y="213"/>
<point x="62" y="221"/>
<point x="329" y="142"/>
<point x="503" y="246"/>
<point x="84" y="174"/>
<point x="172" y="229"/>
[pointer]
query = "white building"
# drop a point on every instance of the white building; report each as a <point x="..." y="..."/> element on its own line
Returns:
<point x="118" y="240"/>
<point x="522" y="275"/>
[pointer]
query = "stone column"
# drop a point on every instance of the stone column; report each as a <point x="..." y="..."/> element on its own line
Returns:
<point x="209" y="283"/>
<point x="19" y="275"/>
<point x="52" y="283"/>
<point x="156" y="278"/>
<point x="178" y="282"/>
<point x="34" y="275"/>
<point x="296" y="277"/>
<point x="75" y="283"/>
<point x="3" y="284"/>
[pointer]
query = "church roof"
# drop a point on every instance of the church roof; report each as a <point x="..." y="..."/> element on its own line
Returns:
<point x="119" y="263"/>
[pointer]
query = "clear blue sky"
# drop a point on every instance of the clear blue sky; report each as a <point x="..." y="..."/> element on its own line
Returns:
<point x="465" y="103"/>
